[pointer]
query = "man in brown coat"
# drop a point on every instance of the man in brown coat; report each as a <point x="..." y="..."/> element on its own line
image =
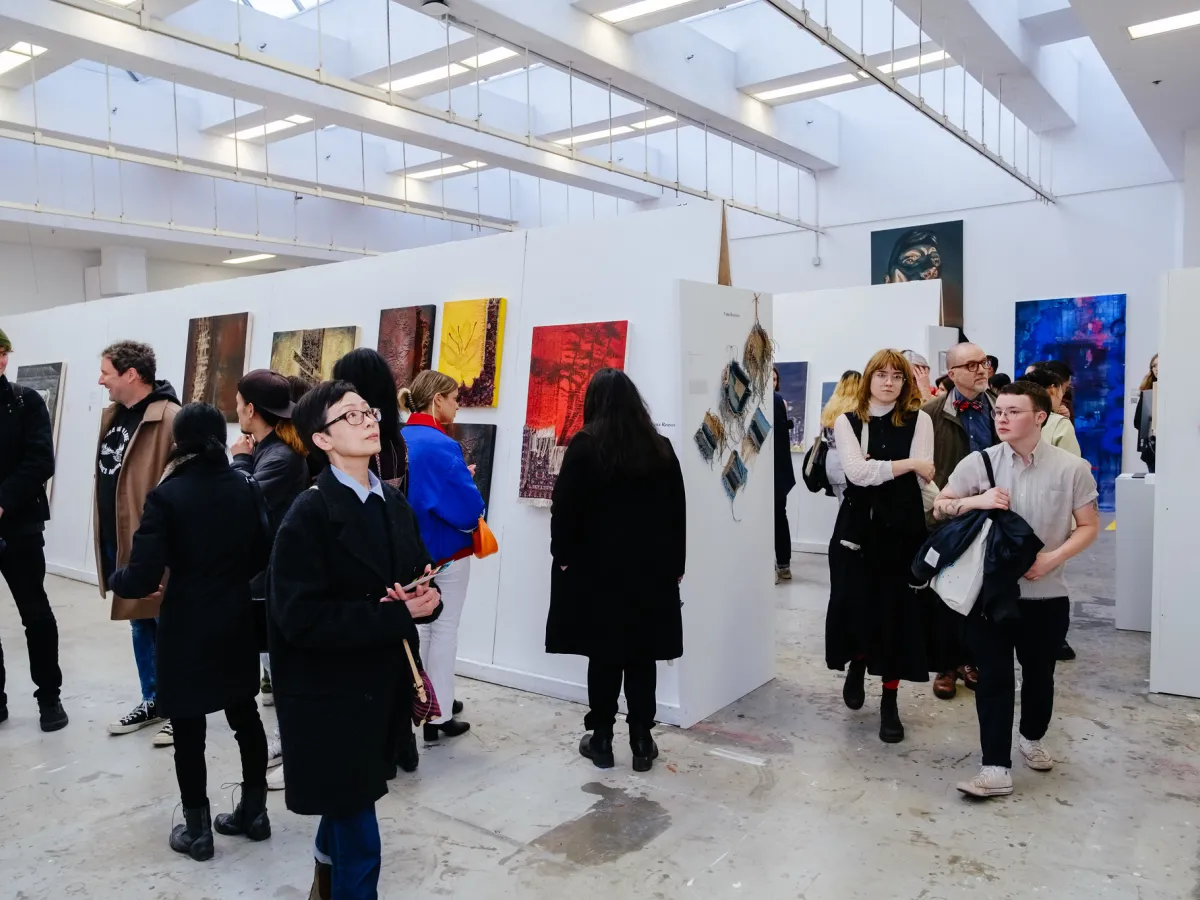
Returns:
<point x="962" y="424"/>
<point x="135" y="441"/>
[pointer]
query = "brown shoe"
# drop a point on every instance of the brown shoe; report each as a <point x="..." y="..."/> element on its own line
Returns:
<point x="969" y="675"/>
<point x="322" y="886"/>
<point x="945" y="685"/>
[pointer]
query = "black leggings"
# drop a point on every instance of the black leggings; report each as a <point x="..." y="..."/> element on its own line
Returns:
<point x="190" y="769"/>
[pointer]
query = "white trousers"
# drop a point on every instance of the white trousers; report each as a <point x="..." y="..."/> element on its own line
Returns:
<point x="439" y="641"/>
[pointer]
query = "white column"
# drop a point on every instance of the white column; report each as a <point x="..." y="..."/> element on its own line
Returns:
<point x="1191" y="199"/>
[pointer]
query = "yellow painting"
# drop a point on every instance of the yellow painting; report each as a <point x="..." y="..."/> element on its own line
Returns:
<point x="311" y="353"/>
<point x="472" y="341"/>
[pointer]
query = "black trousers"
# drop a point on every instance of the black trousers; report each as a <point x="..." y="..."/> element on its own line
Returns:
<point x="1036" y="637"/>
<point x="783" y="533"/>
<point x="23" y="565"/>
<point x="604" y="690"/>
<point x="190" y="769"/>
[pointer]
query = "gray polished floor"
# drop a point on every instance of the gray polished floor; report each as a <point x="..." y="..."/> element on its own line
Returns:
<point x="785" y="794"/>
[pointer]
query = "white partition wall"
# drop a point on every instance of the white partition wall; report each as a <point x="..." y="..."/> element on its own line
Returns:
<point x="1175" y="614"/>
<point x="833" y="331"/>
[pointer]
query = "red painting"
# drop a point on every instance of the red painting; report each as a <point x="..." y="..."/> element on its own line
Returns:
<point x="563" y="360"/>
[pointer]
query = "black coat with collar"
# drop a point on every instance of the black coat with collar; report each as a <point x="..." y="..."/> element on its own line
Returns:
<point x="26" y="459"/>
<point x="338" y="665"/>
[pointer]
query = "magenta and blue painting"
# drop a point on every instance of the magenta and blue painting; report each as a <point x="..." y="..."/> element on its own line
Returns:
<point x="1088" y="334"/>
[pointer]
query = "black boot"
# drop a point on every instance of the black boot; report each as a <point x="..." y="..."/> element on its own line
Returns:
<point x="249" y="817"/>
<point x="450" y="728"/>
<point x="891" y="729"/>
<point x="598" y="748"/>
<point x="853" y="693"/>
<point x="53" y="716"/>
<point x="407" y="757"/>
<point x="194" y="837"/>
<point x="645" y="751"/>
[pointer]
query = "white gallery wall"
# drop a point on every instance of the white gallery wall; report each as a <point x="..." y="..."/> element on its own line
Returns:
<point x="593" y="272"/>
<point x="835" y="330"/>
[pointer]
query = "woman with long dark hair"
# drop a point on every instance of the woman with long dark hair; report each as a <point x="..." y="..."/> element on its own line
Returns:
<point x="206" y="525"/>
<point x="618" y="536"/>
<point x="373" y="381"/>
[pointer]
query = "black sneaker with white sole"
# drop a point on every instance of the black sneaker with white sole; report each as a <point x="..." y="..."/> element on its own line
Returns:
<point x="145" y="713"/>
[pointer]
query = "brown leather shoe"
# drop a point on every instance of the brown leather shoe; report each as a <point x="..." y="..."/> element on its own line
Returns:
<point x="969" y="675"/>
<point x="945" y="685"/>
<point x="322" y="886"/>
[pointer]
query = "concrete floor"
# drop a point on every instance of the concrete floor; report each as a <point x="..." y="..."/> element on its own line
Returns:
<point x="785" y="794"/>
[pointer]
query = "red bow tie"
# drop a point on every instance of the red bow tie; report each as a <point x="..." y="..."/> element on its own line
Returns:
<point x="964" y="405"/>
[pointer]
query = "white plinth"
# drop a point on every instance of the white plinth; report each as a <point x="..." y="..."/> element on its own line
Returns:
<point x="1135" y="551"/>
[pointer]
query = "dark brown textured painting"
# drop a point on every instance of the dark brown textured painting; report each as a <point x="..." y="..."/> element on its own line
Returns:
<point x="479" y="450"/>
<point x="406" y="341"/>
<point x="216" y="361"/>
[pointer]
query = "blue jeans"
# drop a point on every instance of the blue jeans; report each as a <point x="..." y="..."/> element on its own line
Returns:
<point x="350" y="844"/>
<point x="145" y="639"/>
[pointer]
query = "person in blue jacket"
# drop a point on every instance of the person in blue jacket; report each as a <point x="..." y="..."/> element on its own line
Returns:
<point x="442" y="492"/>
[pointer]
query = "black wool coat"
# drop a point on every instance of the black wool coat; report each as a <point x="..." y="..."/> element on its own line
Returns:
<point x="26" y="459"/>
<point x="281" y="474"/>
<point x="623" y="541"/>
<point x="338" y="667"/>
<point x="202" y="522"/>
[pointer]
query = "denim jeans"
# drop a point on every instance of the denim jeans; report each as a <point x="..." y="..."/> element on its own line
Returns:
<point x="145" y="639"/>
<point x="350" y="844"/>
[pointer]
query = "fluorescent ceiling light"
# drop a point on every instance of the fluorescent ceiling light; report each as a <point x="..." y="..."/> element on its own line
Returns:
<point x="1161" y="26"/>
<point x="456" y="169"/>
<point x="258" y="131"/>
<point x="912" y="62"/>
<point x="121" y="2"/>
<point x="18" y="54"/>
<point x="655" y="123"/>
<point x="616" y="131"/>
<point x="257" y="257"/>
<point x="491" y="56"/>
<point x="641" y="8"/>
<point x="807" y="87"/>
<point x="442" y="73"/>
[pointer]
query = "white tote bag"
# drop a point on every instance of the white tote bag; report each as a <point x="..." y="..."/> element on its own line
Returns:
<point x="960" y="582"/>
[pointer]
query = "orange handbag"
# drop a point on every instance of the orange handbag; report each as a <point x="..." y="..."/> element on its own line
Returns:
<point x="484" y="541"/>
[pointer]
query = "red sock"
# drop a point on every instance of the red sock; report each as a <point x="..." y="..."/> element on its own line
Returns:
<point x="892" y="685"/>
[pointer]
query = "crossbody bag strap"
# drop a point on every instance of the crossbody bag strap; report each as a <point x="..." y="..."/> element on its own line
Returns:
<point x="987" y="464"/>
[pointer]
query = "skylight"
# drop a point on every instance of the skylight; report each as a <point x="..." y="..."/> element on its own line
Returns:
<point x="281" y="9"/>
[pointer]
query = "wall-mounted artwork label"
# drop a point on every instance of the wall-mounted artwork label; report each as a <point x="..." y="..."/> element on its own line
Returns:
<point x="471" y="348"/>
<point x="216" y="361"/>
<point x="563" y="359"/>
<point x="921" y="253"/>
<point x="793" y="385"/>
<point x="479" y="450"/>
<point x="1088" y="334"/>
<point x="311" y="353"/>
<point x="406" y="341"/>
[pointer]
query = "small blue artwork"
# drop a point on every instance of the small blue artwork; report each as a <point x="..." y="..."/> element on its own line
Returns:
<point x="793" y="385"/>
<point x="827" y="389"/>
<point x="1088" y="334"/>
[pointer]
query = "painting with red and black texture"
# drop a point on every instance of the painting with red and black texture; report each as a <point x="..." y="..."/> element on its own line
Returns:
<point x="563" y="360"/>
<point x="406" y="341"/>
<point x="216" y="361"/>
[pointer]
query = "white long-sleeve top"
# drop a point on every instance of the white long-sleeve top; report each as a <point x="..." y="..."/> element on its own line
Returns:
<point x="869" y="472"/>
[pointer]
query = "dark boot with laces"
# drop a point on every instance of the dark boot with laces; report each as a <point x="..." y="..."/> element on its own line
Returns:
<point x="598" y="748"/>
<point x="645" y="751"/>
<point x="194" y="837"/>
<point x="249" y="817"/>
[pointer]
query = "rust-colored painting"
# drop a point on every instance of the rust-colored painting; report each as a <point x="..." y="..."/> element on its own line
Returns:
<point x="563" y="360"/>
<point x="406" y="341"/>
<point x="216" y="361"/>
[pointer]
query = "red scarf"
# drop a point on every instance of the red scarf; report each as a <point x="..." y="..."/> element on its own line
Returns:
<point x="425" y="419"/>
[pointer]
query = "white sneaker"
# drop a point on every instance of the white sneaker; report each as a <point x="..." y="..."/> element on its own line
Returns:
<point x="1036" y="756"/>
<point x="165" y="736"/>
<point x="274" y="753"/>
<point x="275" y="779"/>
<point x="992" y="781"/>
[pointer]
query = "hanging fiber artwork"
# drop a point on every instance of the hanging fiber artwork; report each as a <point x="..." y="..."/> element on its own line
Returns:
<point x="735" y="394"/>
<point x="756" y="434"/>
<point x="710" y="436"/>
<point x="757" y="356"/>
<point x="734" y="475"/>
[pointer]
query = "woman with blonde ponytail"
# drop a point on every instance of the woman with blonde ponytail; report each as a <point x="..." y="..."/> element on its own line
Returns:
<point x="442" y="492"/>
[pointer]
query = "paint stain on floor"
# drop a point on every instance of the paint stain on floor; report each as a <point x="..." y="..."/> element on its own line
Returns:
<point x="616" y="825"/>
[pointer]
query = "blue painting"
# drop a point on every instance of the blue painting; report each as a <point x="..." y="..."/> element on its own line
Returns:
<point x="1088" y="334"/>
<point x="793" y="385"/>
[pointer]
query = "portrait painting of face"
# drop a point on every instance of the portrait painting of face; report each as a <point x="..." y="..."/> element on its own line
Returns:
<point x="923" y="253"/>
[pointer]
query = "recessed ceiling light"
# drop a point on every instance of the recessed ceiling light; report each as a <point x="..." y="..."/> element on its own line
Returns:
<point x="442" y="73"/>
<point x="636" y="10"/>
<point x="926" y="59"/>
<point x="257" y="257"/>
<point x="489" y="57"/>
<point x="1161" y="26"/>
<point x="807" y="87"/>
<point x="258" y="131"/>
<point x="455" y="169"/>
<point x="18" y="54"/>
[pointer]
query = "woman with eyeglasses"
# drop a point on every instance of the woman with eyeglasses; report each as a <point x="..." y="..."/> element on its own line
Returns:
<point x="442" y="491"/>
<point x="877" y="622"/>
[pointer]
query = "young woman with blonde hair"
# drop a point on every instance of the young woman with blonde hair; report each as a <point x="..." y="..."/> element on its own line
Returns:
<point x="844" y="399"/>
<point x="877" y="622"/>
<point x="442" y="492"/>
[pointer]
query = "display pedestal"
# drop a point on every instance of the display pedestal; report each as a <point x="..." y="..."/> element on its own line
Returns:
<point x="1135" y="551"/>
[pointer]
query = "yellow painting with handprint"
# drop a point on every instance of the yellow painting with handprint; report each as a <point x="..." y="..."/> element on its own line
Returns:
<point x="472" y="341"/>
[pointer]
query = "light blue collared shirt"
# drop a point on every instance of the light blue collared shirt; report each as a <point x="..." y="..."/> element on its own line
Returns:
<point x="359" y="491"/>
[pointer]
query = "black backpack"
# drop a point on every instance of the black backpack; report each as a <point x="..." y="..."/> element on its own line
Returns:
<point x="813" y="472"/>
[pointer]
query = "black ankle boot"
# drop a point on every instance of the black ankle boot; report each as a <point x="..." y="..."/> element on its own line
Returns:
<point x="854" y="694"/>
<point x="891" y="730"/>
<point x="645" y="751"/>
<point x="249" y="817"/>
<point x="598" y="748"/>
<point x="194" y="837"/>
<point x="407" y="757"/>
<point x="450" y="728"/>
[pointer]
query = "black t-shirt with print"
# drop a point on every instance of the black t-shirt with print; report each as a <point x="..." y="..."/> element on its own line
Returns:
<point x="113" y="447"/>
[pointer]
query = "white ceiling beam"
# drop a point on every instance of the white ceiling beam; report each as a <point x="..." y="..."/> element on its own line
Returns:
<point x="644" y="21"/>
<point x="336" y="102"/>
<point x="673" y="67"/>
